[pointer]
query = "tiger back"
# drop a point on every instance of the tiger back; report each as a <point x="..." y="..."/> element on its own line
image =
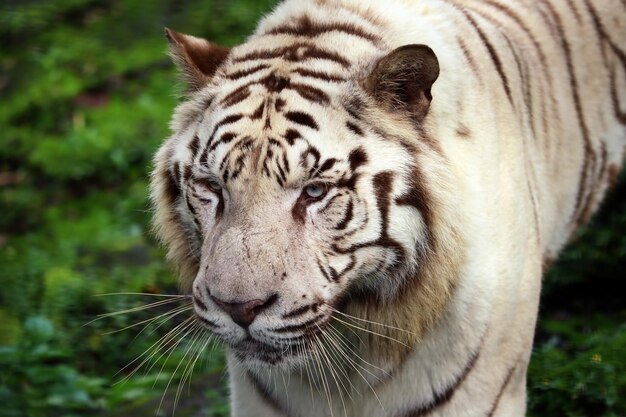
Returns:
<point x="362" y="197"/>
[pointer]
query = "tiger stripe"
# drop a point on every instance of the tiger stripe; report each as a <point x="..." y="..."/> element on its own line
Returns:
<point x="305" y="27"/>
<point x="505" y="384"/>
<point x="440" y="399"/>
<point x="492" y="53"/>
<point x="294" y="53"/>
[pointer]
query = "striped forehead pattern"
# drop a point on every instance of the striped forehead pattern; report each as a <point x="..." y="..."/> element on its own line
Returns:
<point x="259" y="120"/>
<point x="277" y="82"/>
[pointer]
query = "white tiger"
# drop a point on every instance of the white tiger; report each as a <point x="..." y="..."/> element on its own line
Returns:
<point x="362" y="197"/>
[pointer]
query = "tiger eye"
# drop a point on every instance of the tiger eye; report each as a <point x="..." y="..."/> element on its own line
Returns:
<point x="315" y="191"/>
<point x="214" y="186"/>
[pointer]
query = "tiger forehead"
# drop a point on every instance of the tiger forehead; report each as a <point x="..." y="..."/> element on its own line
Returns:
<point x="267" y="139"/>
<point x="288" y="159"/>
<point x="272" y="82"/>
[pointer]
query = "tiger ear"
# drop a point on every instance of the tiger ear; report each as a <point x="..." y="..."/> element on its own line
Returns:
<point x="402" y="80"/>
<point x="197" y="58"/>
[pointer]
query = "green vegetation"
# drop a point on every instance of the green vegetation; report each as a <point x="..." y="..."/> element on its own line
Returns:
<point x="87" y="92"/>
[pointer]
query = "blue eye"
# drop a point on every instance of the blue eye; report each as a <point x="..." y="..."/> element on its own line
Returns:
<point x="315" y="191"/>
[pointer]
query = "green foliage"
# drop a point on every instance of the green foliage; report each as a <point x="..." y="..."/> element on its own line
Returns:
<point x="87" y="92"/>
<point x="581" y="370"/>
<point x="36" y="377"/>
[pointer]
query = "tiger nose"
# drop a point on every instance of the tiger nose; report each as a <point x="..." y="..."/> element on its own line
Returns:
<point x="244" y="313"/>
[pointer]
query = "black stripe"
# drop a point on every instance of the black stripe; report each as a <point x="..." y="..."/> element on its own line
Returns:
<point x="330" y="202"/>
<point x="171" y="189"/>
<point x="336" y="276"/>
<point x="194" y="146"/>
<point x="621" y="55"/>
<point x="258" y="113"/>
<point x="469" y="58"/>
<point x="207" y="322"/>
<point x="310" y="93"/>
<point x="300" y="327"/>
<point x="347" y="217"/>
<point x="357" y="158"/>
<point x="328" y="164"/>
<point x="224" y="139"/>
<point x="237" y="96"/>
<point x="301" y="310"/>
<point x="417" y="196"/>
<point x="441" y="398"/>
<point x="245" y="72"/>
<point x="291" y="135"/>
<point x="354" y="128"/>
<point x="286" y="162"/>
<point x="492" y="53"/>
<point x="199" y="303"/>
<point x="588" y="150"/>
<point x="301" y="118"/>
<point x="383" y="187"/>
<point x="305" y="27"/>
<point x="265" y="393"/>
<point x="225" y="121"/>
<point x="324" y="273"/>
<point x="319" y="75"/>
<point x="516" y="18"/>
<point x="507" y="379"/>
<point x="574" y="9"/>
<point x="294" y="53"/>
<point x="279" y="104"/>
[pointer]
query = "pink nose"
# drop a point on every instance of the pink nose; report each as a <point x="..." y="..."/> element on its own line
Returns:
<point x="244" y="313"/>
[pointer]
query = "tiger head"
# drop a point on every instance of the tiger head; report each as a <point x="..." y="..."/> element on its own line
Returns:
<point x="296" y="191"/>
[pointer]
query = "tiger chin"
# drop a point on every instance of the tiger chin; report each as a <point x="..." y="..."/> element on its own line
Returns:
<point x="362" y="197"/>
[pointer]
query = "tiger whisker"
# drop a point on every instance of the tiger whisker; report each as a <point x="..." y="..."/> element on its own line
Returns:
<point x="201" y="341"/>
<point x="339" y="382"/>
<point x="147" y="294"/>
<point x="140" y="308"/>
<point x="149" y="349"/>
<point x="337" y="362"/>
<point x="371" y="332"/>
<point x="191" y="328"/>
<point x="311" y="371"/>
<point x="323" y="379"/>
<point x="355" y="365"/>
<point x="131" y="310"/>
<point x="342" y="346"/>
<point x="344" y="341"/>
<point x="337" y="354"/>
<point x="334" y="310"/>
<point x="162" y="321"/>
<point x="188" y="329"/>
<point x="169" y="314"/>
<point x="196" y="344"/>
<point x="282" y="375"/>
<point x="201" y="348"/>
<point x="301" y="353"/>
<point x="194" y="335"/>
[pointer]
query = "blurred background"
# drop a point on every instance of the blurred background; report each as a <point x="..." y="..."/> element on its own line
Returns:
<point x="86" y="92"/>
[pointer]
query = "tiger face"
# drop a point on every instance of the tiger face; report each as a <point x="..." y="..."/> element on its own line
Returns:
<point x="281" y="200"/>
